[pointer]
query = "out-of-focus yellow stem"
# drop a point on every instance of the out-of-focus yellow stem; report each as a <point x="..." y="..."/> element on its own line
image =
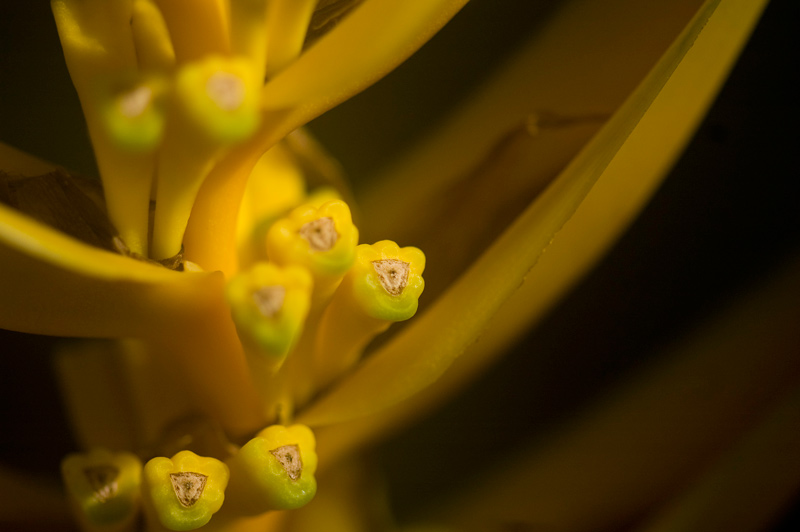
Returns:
<point x="154" y="51"/>
<point x="249" y="31"/>
<point x="198" y="28"/>
<point x="288" y="23"/>
<point x="97" y="42"/>
<point x="95" y="394"/>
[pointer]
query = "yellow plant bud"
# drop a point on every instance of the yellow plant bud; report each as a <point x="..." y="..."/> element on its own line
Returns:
<point x="274" y="471"/>
<point x="269" y="305"/>
<point x="103" y="488"/>
<point x="185" y="491"/>
<point x="323" y="239"/>
<point x="382" y="286"/>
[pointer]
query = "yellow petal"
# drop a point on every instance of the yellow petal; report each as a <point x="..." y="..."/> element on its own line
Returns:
<point x="659" y="118"/>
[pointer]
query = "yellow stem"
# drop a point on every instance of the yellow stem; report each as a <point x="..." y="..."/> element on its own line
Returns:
<point x="288" y="23"/>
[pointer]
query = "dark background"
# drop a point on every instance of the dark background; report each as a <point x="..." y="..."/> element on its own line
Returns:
<point x="726" y="217"/>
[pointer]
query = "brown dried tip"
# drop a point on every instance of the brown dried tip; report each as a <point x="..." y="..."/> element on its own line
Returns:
<point x="320" y="234"/>
<point x="103" y="480"/>
<point x="188" y="487"/>
<point x="289" y="458"/>
<point x="393" y="274"/>
<point x="269" y="300"/>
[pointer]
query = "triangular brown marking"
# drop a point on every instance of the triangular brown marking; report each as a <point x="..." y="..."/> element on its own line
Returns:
<point x="320" y="233"/>
<point x="269" y="299"/>
<point x="188" y="487"/>
<point x="289" y="458"/>
<point x="103" y="481"/>
<point x="393" y="274"/>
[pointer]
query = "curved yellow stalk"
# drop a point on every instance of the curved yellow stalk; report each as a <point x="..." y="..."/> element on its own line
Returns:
<point x="375" y="38"/>
<point x="53" y="284"/>
<point x="210" y="237"/>
<point x="275" y="185"/>
<point x="680" y="88"/>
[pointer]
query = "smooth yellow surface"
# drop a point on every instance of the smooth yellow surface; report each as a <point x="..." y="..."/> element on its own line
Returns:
<point x="79" y="288"/>
<point x="96" y="402"/>
<point x="275" y="185"/>
<point x="197" y="27"/>
<point x="98" y="46"/>
<point x="154" y="51"/>
<point x="358" y="52"/>
<point x="288" y="22"/>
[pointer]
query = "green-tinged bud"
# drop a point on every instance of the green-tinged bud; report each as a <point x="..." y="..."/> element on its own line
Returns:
<point x="386" y="280"/>
<point x="185" y="491"/>
<point x="132" y="112"/>
<point x="274" y="471"/>
<point x="323" y="239"/>
<point x="103" y="488"/>
<point x="382" y="286"/>
<point x="219" y="96"/>
<point x="269" y="305"/>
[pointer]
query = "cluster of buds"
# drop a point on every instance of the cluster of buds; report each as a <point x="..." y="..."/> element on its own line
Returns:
<point x="272" y="471"/>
